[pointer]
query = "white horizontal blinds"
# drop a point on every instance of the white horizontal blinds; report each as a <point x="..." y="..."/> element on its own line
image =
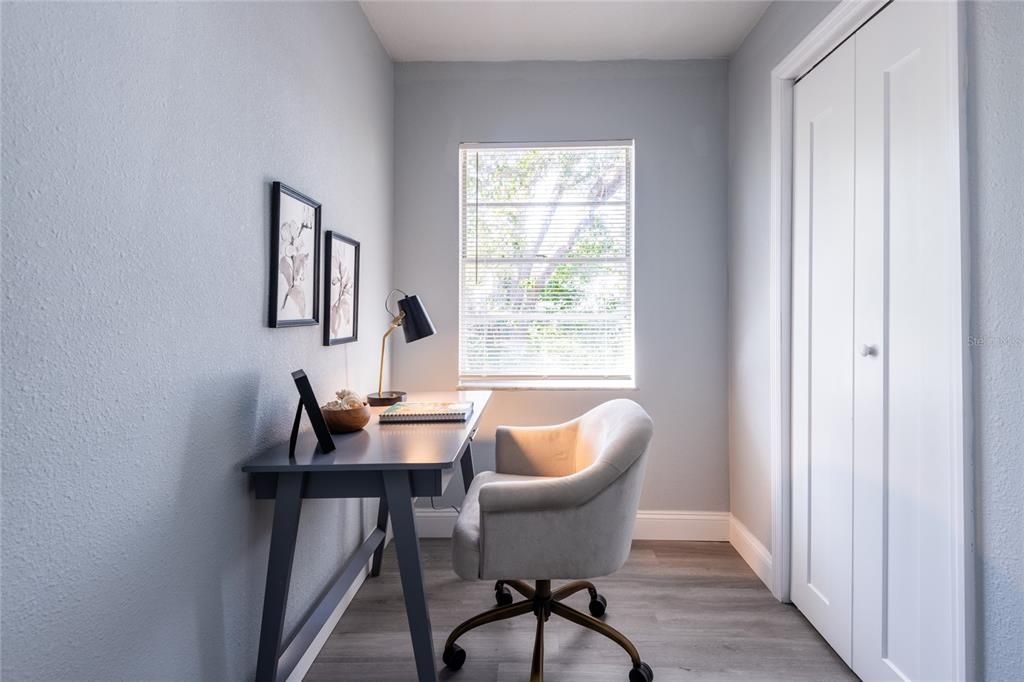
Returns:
<point x="547" y="262"/>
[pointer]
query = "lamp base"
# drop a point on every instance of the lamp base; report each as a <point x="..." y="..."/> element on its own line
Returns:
<point x="385" y="398"/>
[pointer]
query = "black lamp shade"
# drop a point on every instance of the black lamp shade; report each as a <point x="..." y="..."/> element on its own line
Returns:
<point x="417" y="324"/>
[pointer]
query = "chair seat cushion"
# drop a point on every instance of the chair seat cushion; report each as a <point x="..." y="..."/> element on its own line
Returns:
<point x="466" y="537"/>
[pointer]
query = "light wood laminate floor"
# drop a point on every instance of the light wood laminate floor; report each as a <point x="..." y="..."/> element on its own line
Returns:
<point x="695" y="610"/>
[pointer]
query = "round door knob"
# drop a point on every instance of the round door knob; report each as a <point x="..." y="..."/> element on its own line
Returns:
<point x="868" y="351"/>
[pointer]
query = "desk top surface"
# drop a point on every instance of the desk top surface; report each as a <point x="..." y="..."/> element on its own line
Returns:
<point x="428" y="445"/>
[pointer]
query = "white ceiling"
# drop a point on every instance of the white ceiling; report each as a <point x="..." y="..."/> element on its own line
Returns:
<point x="481" y="30"/>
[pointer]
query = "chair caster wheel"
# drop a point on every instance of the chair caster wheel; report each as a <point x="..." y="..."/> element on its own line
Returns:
<point x="598" y="605"/>
<point x="641" y="673"/>
<point x="502" y="596"/>
<point x="455" y="656"/>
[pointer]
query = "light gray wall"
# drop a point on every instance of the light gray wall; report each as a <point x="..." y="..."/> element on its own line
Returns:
<point x="676" y="111"/>
<point x="139" y="141"/>
<point x="783" y="25"/>
<point x="995" y="110"/>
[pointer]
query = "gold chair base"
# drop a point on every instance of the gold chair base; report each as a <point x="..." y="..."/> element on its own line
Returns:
<point x="543" y="602"/>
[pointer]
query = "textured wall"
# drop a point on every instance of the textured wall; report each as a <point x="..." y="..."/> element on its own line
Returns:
<point x="995" y="109"/>
<point x="676" y="111"/>
<point x="783" y="25"/>
<point x="139" y="141"/>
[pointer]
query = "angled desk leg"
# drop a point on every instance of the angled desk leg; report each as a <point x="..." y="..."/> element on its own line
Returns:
<point x="287" y="504"/>
<point x="382" y="523"/>
<point x="399" y="499"/>
<point x="467" y="466"/>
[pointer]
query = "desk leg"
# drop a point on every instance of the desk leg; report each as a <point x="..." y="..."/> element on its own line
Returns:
<point x="399" y="497"/>
<point x="287" y="504"/>
<point x="382" y="523"/>
<point x="467" y="466"/>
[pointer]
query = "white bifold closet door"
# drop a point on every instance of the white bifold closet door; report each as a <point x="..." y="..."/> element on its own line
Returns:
<point x="822" y="347"/>
<point x="877" y="431"/>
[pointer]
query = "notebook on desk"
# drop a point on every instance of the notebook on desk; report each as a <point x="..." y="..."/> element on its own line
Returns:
<point x="426" y="412"/>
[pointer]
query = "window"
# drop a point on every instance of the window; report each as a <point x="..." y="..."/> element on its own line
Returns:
<point x="546" y="265"/>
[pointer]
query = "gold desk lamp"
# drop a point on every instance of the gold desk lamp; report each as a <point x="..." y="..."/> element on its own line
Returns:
<point x="413" y="319"/>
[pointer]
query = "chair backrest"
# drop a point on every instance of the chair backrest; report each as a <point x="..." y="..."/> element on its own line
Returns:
<point x="616" y="432"/>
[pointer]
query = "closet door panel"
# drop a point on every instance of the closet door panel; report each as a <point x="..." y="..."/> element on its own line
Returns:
<point x="822" y="389"/>
<point x="907" y="275"/>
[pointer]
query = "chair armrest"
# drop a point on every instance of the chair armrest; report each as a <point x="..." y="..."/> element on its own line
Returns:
<point x="546" y="494"/>
<point x="536" y="451"/>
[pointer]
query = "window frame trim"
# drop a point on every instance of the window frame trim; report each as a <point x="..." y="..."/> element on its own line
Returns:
<point x="546" y="382"/>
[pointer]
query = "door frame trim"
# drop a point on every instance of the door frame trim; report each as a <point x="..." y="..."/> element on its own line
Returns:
<point x="840" y="24"/>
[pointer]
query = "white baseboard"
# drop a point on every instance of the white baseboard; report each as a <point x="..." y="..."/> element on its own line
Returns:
<point x="750" y="548"/>
<point x="650" y="524"/>
<point x="681" y="525"/>
<point x="435" y="523"/>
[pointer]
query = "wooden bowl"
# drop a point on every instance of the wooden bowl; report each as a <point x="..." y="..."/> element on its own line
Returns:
<point x="346" y="421"/>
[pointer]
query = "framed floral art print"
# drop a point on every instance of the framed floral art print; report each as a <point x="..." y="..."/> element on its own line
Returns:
<point x="294" y="258"/>
<point x="341" y="289"/>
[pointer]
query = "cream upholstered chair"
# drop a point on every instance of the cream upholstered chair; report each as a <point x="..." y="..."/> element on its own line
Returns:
<point x="561" y="505"/>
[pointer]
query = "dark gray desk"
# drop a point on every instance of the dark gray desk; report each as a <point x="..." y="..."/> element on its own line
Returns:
<point x="393" y="462"/>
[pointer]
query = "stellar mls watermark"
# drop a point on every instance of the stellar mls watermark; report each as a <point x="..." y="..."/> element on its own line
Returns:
<point x="993" y="341"/>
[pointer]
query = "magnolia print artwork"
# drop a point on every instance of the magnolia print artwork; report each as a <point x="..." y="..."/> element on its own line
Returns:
<point x="341" y="289"/>
<point x="295" y="255"/>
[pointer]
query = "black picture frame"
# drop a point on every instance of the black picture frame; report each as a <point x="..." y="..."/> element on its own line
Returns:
<point x="309" y="403"/>
<point x="283" y="197"/>
<point x="330" y="250"/>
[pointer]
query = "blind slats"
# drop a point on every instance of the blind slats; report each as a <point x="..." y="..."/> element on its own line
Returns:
<point x="546" y="261"/>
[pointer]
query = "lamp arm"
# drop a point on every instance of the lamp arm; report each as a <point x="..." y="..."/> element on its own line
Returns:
<point x="395" y="324"/>
<point x="387" y="299"/>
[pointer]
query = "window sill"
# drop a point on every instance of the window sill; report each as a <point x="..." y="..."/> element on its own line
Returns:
<point x="549" y="384"/>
